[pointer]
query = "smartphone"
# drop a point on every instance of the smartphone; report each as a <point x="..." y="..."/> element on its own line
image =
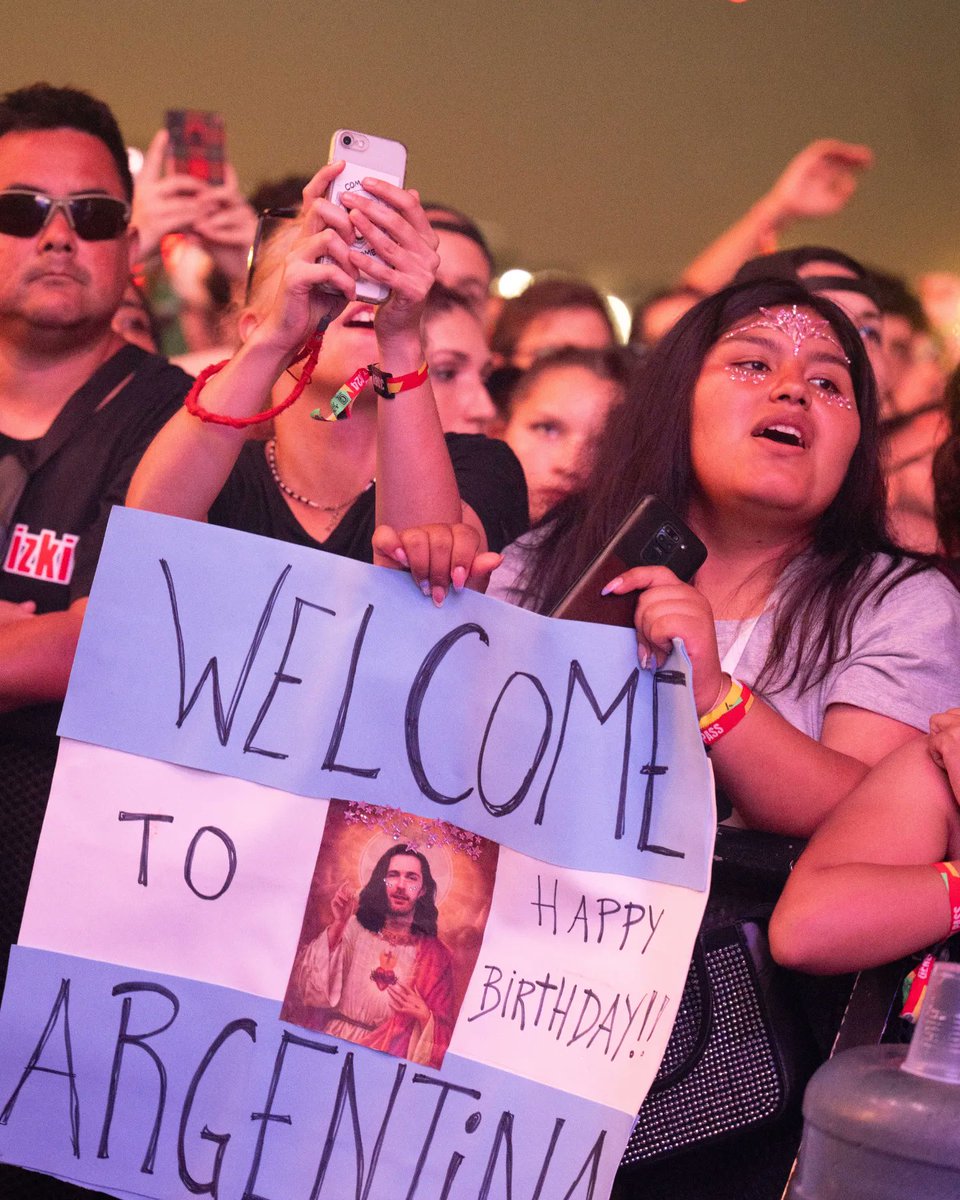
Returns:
<point x="651" y="536"/>
<point x="366" y="155"/>
<point x="196" y="144"/>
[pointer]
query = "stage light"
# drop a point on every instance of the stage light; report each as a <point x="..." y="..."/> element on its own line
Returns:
<point x="621" y="315"/>
<point x="513" y="282"/>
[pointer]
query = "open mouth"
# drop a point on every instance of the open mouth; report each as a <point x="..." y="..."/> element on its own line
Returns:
<point x="361" y="319"/>
<point x="785" y="434"/>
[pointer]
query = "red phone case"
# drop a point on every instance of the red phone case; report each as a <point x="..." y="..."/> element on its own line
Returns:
<point x="196" y="143"/>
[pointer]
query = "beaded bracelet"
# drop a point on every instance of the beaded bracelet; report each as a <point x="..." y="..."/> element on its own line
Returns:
<point x="728" y="713"/>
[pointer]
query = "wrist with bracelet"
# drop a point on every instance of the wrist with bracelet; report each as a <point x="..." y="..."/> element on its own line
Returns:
<point x="950" y="874"/>
<point x="384" y="384"/>
<point x="731" y="706"/>
<point x="915" y="984"/>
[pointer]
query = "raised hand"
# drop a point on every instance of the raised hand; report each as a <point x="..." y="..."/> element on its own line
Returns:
<point x="318" y="276"/>
<point x="343" y="905"/>
<point x="395" y="226"/>
<point x="820" y="180"/>
<point x="227" y="228"/>
<point x="165" y="204"/>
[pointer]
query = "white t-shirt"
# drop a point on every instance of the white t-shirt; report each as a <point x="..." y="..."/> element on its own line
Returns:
<point x="904" y="660"/>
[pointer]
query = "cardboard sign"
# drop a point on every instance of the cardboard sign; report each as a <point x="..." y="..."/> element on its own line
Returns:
<point x="339" y="893"/>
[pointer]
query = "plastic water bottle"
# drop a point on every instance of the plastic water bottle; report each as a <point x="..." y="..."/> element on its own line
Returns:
<point x="883" y="1122"/>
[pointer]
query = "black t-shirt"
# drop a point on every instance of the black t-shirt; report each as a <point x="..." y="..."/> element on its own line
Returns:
<point x="60" y="519"/>
<point x="489" y="478"/>
<point x="71" y="494"/>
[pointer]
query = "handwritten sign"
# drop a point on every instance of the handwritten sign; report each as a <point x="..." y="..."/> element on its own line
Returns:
<point x="201" y="1000"/>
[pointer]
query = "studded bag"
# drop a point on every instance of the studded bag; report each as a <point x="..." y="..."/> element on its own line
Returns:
<point x="740" y="1054"/>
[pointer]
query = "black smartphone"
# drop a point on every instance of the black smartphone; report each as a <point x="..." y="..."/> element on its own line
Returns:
<point x="651" y="536"/>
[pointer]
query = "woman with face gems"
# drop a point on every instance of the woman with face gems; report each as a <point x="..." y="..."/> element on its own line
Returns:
<point x="817" y="645"/>
<point x="312" y="482"/>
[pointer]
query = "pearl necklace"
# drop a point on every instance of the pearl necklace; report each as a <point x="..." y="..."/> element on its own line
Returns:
<point x="333" y="509"/>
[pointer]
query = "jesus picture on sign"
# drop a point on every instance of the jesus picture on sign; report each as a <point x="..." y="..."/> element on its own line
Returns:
<point x="378" y="972"/>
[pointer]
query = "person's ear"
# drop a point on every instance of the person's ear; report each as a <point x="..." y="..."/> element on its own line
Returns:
<point x="133" y="249"/>
<point x="247" y="323"/>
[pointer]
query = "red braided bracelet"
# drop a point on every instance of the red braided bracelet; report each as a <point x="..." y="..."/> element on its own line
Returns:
<point x="310" y="352"/>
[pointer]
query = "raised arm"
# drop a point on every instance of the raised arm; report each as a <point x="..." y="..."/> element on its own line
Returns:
<point x="188" y="462"/>
<point x="415" y="479"/>
<point x="164" y="203"/>
<point x="818" y="182"/>
<point x="864" y="891"/>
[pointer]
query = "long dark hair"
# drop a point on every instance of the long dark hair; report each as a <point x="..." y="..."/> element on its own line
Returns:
<point x="372" y="901"/>
<point x="946" y="474"/>
<point x="646" y="450"/>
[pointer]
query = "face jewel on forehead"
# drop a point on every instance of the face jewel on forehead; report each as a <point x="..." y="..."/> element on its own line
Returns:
<point x="798" y="325"/>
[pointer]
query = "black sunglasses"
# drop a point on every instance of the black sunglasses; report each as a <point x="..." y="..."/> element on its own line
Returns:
<point x="267" y="220"/>
<point x="93" y="217"/>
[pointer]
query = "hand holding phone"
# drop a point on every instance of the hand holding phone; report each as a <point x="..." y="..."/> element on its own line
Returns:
<point x="652" y="535"/>
<point x="365" y="156"/>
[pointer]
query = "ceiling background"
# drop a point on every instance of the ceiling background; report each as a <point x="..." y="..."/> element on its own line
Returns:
<point x="613" y="139"/>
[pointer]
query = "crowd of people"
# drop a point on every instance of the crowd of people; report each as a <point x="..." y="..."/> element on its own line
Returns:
<point x="796" y="408"/>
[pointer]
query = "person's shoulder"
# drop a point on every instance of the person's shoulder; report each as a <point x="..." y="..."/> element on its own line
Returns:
<point x="908" y="578"/>
<point x="163" y="374"/>
<point x="909" y="602"/>
<point x="152" y="391"/>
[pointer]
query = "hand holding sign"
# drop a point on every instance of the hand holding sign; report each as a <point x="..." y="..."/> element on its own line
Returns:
<point x="438" y="555"/>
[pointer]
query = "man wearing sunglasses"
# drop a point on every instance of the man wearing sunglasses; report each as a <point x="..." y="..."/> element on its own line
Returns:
<point x="77" y="407"/>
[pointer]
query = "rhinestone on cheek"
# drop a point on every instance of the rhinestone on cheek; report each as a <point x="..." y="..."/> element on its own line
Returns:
<point x="741" y="374"/>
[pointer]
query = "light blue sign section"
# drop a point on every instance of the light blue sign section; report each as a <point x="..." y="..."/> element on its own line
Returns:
<point x="210" y="1083"/>
<point x="326" y="677"/>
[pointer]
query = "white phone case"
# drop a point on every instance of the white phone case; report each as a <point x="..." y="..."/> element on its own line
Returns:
<point x="366" y="155"/>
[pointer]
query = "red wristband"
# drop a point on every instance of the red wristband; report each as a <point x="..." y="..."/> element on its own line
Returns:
<point x="384" y="384"/>
<point x="388" y="386"/>
<point x="310" y="352"/>
<point x="717" y="724"/>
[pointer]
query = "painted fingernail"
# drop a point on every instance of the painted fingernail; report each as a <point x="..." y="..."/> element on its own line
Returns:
<point x="400" y="555"/>
<point x="459" y="577"/>
<point x="644" y="659"/>
<point x="611" y="586"/>
<point x="425" y="587"/>
<point x="439" y="595"/>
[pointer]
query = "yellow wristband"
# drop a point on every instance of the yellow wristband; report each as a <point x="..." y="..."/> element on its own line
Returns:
<point x="731" y="699"/>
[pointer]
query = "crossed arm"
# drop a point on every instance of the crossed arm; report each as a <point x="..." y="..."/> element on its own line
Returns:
<point x="36" y="653"/>
<point x="864" y="892"/>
